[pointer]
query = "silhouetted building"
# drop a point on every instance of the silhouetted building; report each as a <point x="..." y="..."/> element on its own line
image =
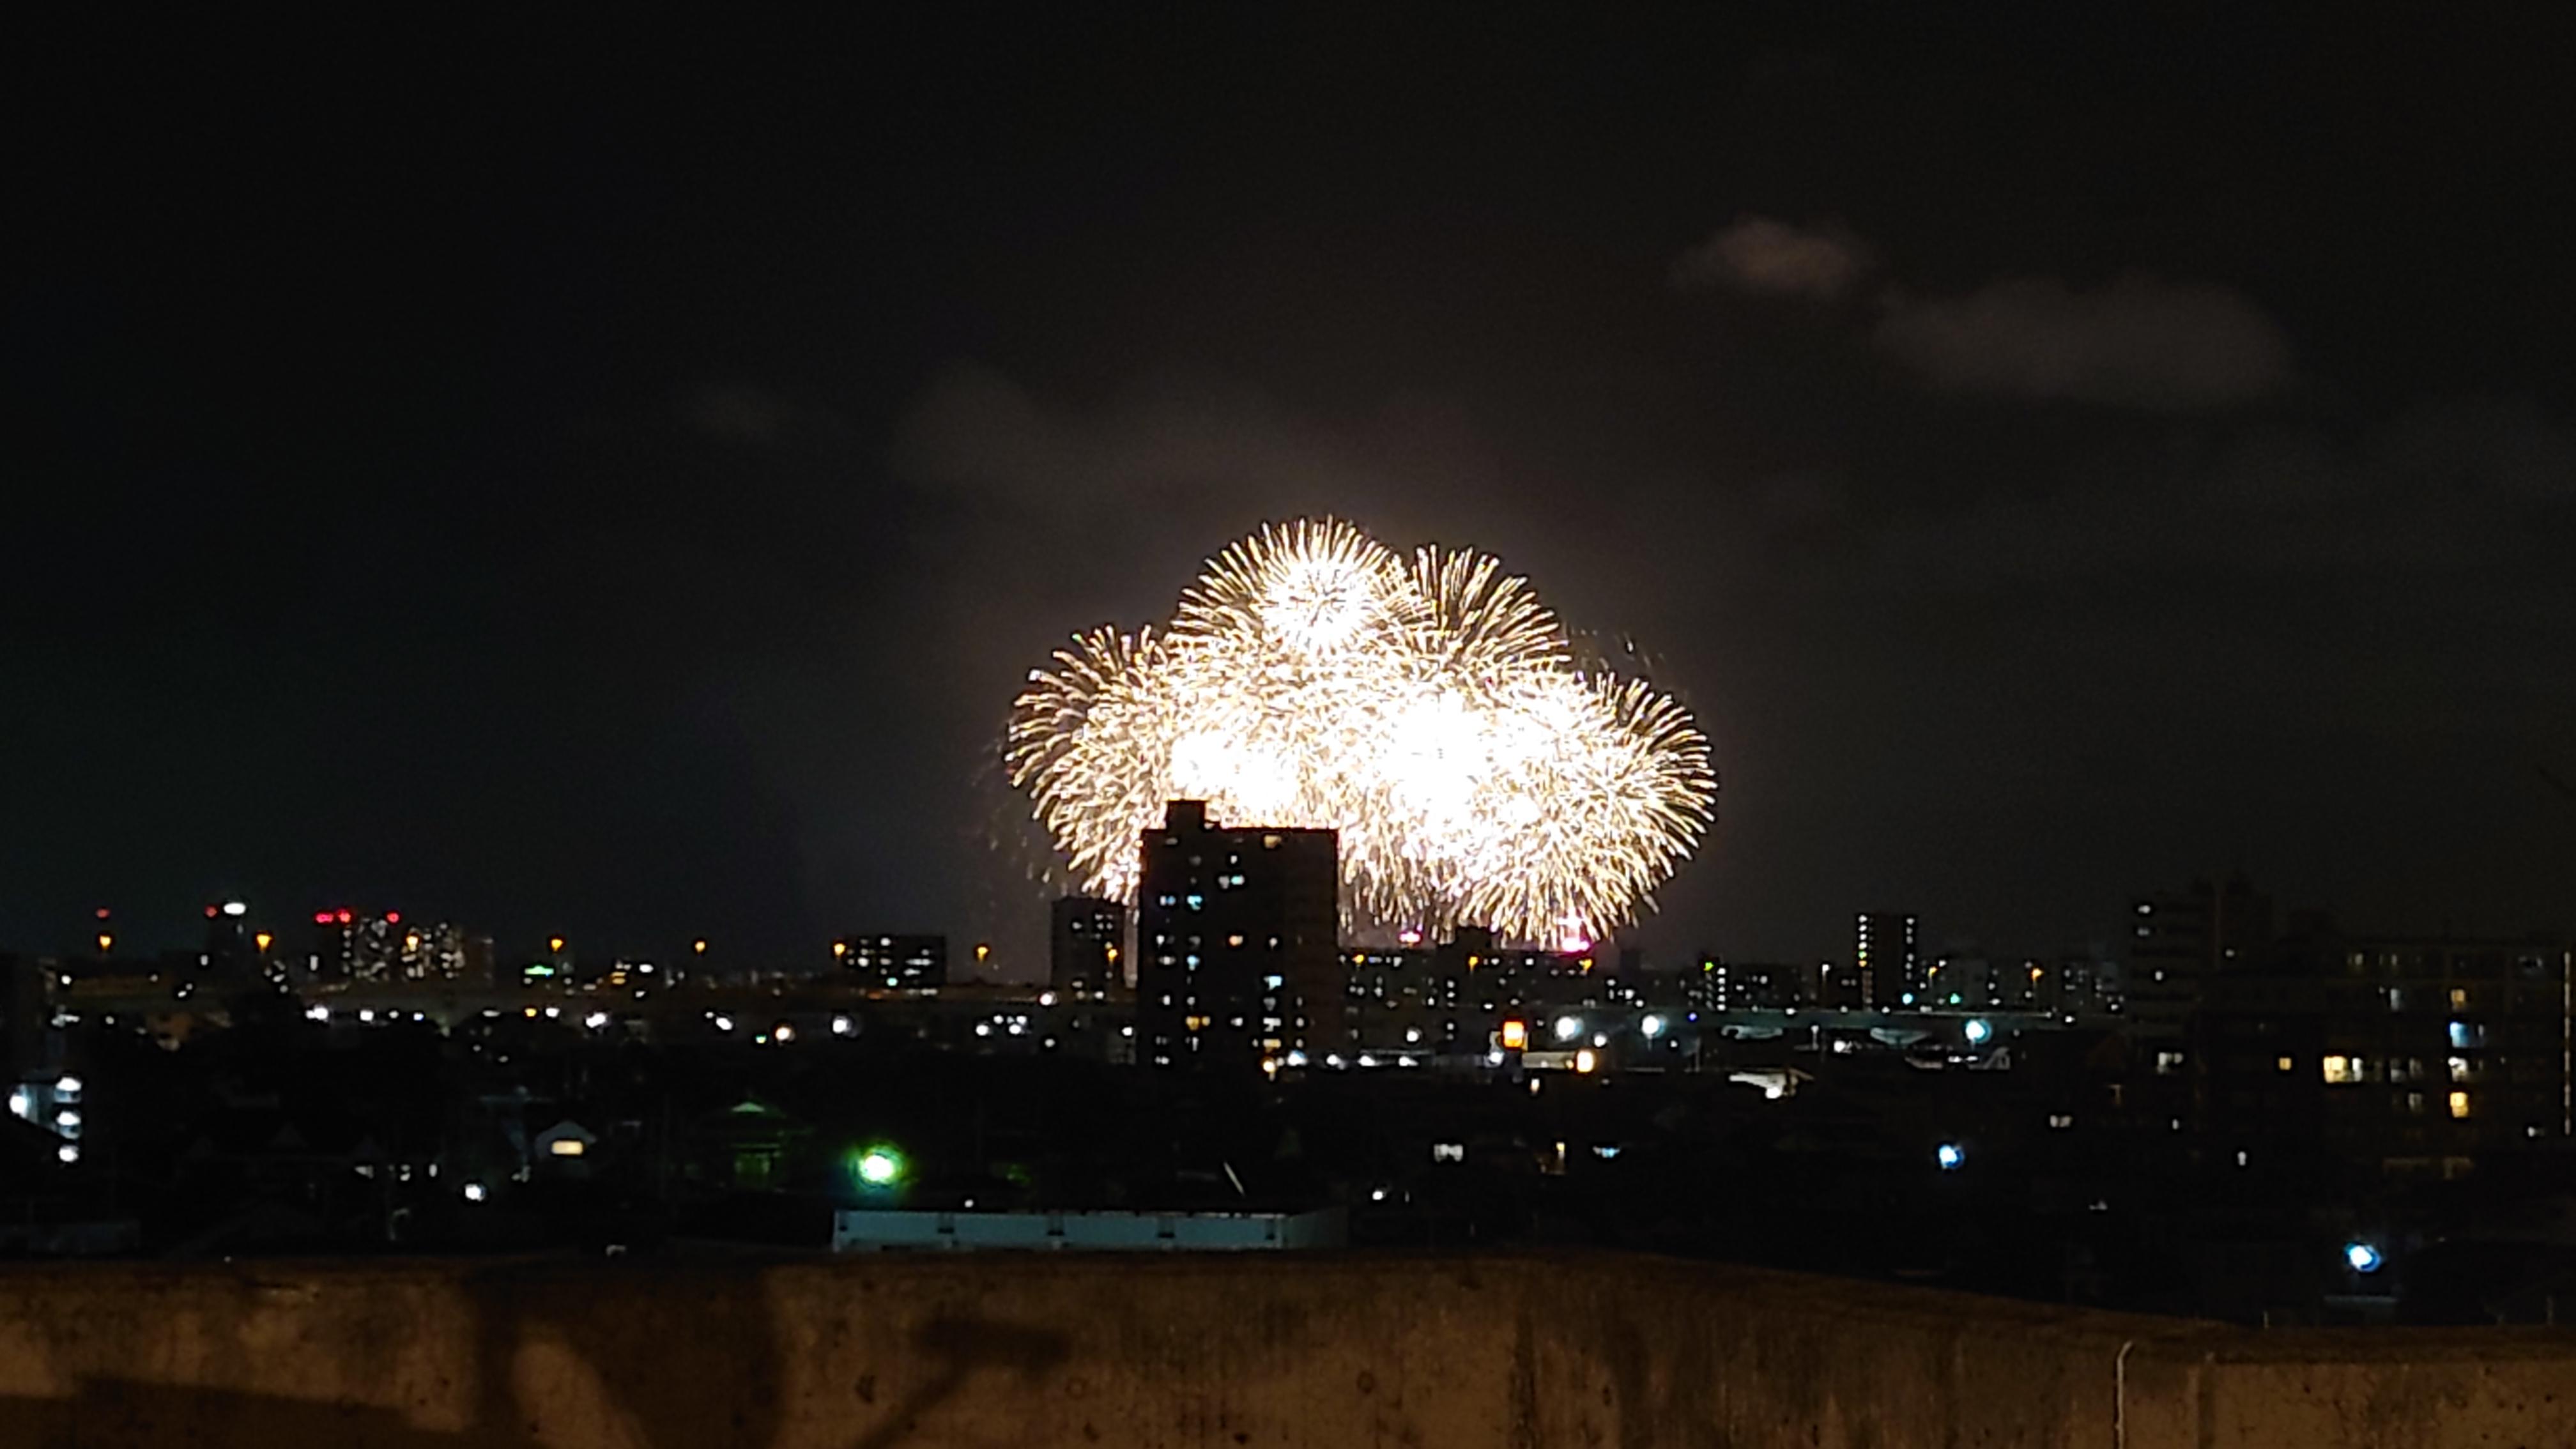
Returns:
<point x="899" y="963"/>
<point x="351" y="945"/>
<point x="2182" y="941"/>
<point x="2402" y="1054"/>
<point x="1087" y="945"/>
<point x="228" y="951"/>
<point x="1236" y="942"/>
<point x="1885" y="959"/>
<point x="22" y="1015"/>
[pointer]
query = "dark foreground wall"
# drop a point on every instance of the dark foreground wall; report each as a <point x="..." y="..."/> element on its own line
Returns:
<point x="1250" y="1351"/>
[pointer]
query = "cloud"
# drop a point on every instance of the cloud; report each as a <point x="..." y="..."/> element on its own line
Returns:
<point x="1759" y="255"/>
<point x="2138" y="343"/>
<point x="739" y="412"/>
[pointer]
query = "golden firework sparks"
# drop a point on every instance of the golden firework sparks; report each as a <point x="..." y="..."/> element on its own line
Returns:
<point x="1430" y="710"/>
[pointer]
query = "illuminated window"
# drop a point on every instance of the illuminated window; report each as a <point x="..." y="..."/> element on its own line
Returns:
<point x="2459" y="1105"/>
<point x="2459" y="998"/>
<point x="2286" y="1064"/>
<point x="567" y="1147"/>
<point x="2461" y="1071"/>
<point x="2340" y="1070"/>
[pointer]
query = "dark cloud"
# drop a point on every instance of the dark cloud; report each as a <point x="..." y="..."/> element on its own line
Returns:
<point x="2137" y="343"/>
<point x="1759" y="255"/>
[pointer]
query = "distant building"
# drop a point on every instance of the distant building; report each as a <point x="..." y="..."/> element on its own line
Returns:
<point x="1885" y="959"/>
<point x="896" y="963"/>
<point x="228" y="951"/>
<point x="350" y="945"/>
<point x="1717" y="984"/>
<point x="377" y="949"/>
<point x="878" y="1230"/>
<point x="2407" y="1054"/>
<point x="1236" y="942"/>
<point x="23" y="1015"/>
<point x="2180" y="942"/>
<point x="1087" y="945"/>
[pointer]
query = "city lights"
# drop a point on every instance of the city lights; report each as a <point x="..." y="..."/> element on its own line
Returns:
<point x="1950" y="1156"/>
<point x="1568" y="1027"/>
<point x="1652" y="1026"/>
<point x="2361" y="1257"/>
<point x="1977" y="1030"/>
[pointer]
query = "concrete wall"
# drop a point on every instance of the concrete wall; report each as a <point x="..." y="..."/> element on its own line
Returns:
<point x="1075" y="1350"/>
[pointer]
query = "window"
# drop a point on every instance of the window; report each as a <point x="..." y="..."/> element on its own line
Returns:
<point x="2286" y="1064"/>
<point x="2168" y="1063"/>
<point x="2461" y="1070"/>
<point x="2459" y="998"/>
<point x="2459" y="1106"/>
<point x="2467" y="1036"/>
<point x="2342" y="1070"/>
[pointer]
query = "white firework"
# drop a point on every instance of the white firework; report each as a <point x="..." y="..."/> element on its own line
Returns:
<point x="1431" y="711"/>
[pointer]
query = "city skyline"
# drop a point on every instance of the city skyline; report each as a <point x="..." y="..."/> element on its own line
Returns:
<point x="635" y="527"/>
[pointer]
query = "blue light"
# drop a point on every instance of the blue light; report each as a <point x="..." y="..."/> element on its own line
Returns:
<point x="2363" y="1257"/>
<point x="1949" y="1156"/>
<point x="1978" y="1030"/>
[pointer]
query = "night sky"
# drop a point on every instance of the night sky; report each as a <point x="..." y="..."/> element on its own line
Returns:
<point x="613" y="482"/>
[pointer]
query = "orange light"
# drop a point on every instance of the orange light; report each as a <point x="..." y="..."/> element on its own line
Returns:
<point x="699" y="945"/>
<point x="554" y="943"/>
<point x="840" y="949"/>
<point x="1515" y="1035"/>
<point x="104" y="941"/>
<point x="263" y="938"/>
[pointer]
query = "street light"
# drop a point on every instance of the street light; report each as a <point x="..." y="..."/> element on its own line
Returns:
<point x="2362" y="1257"/>
<point x="1950" y="1156"/>
<point x="880" y="1167"/>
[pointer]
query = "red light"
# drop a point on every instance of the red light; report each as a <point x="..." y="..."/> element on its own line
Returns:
<point x="393" y="918"/>
<point x="344" y="918"/>
<point x="321" y="918"/>
<point x="210" y="913"/>
<point x="101" y="913"/>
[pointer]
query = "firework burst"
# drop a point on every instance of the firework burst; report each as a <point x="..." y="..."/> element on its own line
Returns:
<point x="1429" y="709"/>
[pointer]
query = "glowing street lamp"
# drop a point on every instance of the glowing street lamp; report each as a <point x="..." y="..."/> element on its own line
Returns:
<point x="880" y="1167"/>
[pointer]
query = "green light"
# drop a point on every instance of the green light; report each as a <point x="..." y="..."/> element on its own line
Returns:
<point x="880" y="1167"/>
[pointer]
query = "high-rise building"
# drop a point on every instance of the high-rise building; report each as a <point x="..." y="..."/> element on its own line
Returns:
<point x="1087" y="945"/>
<point x="2419" y="1055"/>
<point x="896" y="963"/>
<point x="2181" y="942"/>
<point x="351" y="945"/>
<point x="1236" y="942"/>
<point x="23" y="1015"/>
<point x="355" y="946"/>
<point x="228" y="951"/>
<point x="1885" y="959"/>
